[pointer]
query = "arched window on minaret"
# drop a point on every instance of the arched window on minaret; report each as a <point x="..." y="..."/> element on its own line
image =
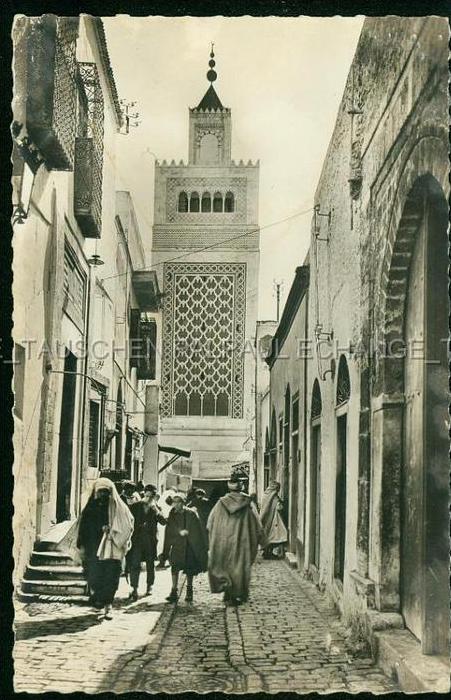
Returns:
<point x="229" y="203"/>
<point x="217" y="202"/>
<point x="206" y="201"/>
<point x="183" y="202"/>
<point x="209" y="150"/>
<point x="194" y="201"/>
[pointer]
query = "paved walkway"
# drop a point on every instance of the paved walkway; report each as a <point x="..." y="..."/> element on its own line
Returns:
<point x="287" y="638"/>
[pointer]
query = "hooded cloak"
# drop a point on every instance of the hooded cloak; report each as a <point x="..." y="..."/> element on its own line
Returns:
<point x="273" y="525"/>
<point x="190" y="553"/>
<point x="235" y="532"/>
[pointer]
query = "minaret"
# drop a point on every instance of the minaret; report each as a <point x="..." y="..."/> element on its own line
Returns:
<point x="210" y="117"/>
<point x="205" y="249"/>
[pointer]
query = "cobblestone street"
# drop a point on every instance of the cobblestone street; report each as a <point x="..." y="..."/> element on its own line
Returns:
<point x="287" y="638"/>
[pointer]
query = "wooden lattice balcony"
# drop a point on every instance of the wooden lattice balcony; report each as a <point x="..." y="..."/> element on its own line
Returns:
<point x="51" y="88"/>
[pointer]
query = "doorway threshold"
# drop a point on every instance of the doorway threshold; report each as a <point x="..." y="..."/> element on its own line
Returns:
<point x="400" y="657"/>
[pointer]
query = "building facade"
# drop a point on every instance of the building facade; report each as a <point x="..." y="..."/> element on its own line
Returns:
<point x="205" y="249"/>
<point x="373" y="525"/>
<point x="76" y="244"/>
<point x="263" y="342"/>
<point x="285" y="453"/>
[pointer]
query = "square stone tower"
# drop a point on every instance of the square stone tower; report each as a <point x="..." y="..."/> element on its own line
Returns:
<point x="205" y="249"/>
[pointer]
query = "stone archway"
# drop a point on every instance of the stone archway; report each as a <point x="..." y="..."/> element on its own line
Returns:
<point x="413" y="382"/>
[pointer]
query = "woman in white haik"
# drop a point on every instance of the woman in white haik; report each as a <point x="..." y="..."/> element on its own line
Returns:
<point x="104" y="537"/>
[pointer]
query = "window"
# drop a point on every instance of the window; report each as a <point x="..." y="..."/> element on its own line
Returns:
<point x="217" y="202"/>
<point x="19" y="379"/>
<point x="194" y="202"/>
<point x="229" y="202"/>
<point x="316" y="401"/>
<point x="148" y="337"/>
<point x="183" y="202"/>
<point x="195" y="404"/>
<point x="206" y="202"/>
<point x="181" y="405"/>
<point x="343" y="382"/>
<point x="94" y="429"/>
<point x="142" y="344"/>
<point x="73" y="287"/>
<point x="209" y="149"/>
<point x="295" y="414"/>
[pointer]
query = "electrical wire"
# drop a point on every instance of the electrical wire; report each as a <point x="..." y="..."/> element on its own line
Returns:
<point x="214" y="245"/>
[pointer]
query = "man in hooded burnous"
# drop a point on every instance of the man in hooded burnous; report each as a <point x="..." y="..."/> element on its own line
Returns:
<point x="185" y="545"/>
<point x="235" y="532"/>
<point x="275" y="531"/>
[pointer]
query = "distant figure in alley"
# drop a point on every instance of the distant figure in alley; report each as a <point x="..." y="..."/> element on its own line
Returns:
<point x="235" y="532"/>
<point x="147" y="515"/>
<point x="104" y="537"/>
<point x="185" y="545"/>
<point x="275" y="531"/>
<point x="199" y="501"/>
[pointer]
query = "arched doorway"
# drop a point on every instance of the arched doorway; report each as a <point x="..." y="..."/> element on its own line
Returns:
<point x="315" y="476"/>
<point x="417" y="291"/>
<point x="341" y="411"/>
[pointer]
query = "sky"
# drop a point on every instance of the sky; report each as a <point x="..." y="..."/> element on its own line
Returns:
<point x="283" y="79"/>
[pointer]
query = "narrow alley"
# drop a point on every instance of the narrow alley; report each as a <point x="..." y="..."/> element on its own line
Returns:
<point x="288" y="637"/>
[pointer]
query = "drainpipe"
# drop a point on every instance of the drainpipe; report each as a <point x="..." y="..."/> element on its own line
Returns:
<point x="84" y="395"/>
<point x="304" y="524"/>
<point x="256" y="422"/>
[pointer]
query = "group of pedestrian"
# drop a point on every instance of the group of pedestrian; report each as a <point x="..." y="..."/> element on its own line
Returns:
<point x="119" y="528"/>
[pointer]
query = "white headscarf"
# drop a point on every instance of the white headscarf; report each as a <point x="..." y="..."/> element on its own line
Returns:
<point x="115" y="543"/>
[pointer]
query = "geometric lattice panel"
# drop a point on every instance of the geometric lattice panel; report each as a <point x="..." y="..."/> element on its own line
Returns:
<point x="204" y="318"/>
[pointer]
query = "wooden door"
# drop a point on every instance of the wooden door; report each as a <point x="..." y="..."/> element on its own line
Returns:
<point x="412" y="473"/>
<point x="66" y="435"/>
<point x="340" y="498"/>
<point x="315" y="497"/>
<point x="294" y="487"/>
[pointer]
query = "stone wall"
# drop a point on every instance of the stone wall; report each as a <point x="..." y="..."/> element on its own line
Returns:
<point x="391" y="130"/>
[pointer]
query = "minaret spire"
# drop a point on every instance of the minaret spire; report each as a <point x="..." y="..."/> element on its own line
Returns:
<point x="210" y="100"/>
<point x="211" y="74"/>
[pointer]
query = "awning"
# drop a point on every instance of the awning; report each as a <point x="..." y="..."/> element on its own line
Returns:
<point x="175" y="452"/>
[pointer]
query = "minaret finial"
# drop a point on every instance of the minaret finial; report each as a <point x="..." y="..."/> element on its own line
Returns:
<point x="212" y="75"/>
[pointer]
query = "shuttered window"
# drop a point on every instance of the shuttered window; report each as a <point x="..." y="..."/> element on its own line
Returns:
<point x="94" y="427"/>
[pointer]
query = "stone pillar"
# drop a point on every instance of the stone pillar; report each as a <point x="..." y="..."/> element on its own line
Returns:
<point x="387" y="416"/>
<point x="150" y="464"/>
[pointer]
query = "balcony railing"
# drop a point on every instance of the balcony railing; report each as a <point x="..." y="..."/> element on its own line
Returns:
<point x="87" y="193"/>
<point x="51" y="88"/>
<point x="143" y="338"/>
<point x="88" y="173"/>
